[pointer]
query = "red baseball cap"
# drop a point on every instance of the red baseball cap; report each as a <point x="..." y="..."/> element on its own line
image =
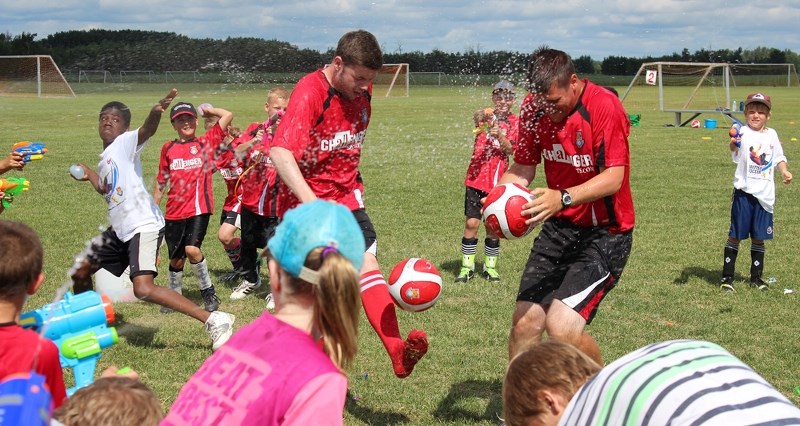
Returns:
<point x="759" y="98"/>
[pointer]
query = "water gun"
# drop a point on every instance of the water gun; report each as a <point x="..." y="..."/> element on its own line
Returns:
<point x="78" y="325"/>
<point x="486" y="123"/>
<point x="30" y="150"/>
<point x="11" y="187"/>
<point x="272" y="124"/>
<point x="736" y="134"/>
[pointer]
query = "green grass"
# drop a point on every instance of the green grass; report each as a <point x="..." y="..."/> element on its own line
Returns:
<point x="414" y="161"/>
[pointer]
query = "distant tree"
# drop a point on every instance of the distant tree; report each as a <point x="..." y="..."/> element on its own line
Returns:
<point x="584" y="64"/>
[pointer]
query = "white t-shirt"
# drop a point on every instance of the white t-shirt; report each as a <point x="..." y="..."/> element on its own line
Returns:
<point x="755" y="165"/>
<point x="131" y="209"/>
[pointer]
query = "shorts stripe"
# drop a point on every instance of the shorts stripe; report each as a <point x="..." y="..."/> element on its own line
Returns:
<point x="577" y="299"/>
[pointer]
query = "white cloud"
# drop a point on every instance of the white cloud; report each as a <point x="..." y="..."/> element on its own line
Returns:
<point x="580" y="27"/>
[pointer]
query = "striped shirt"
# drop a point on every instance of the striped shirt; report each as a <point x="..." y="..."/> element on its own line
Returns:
<point x="679" y="382"/>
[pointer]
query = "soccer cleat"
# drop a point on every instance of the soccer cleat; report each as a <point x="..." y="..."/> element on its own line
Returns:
<point x="210" y="299"/>
<point x="491" y="274"/>
<point x="231" y="276"/>
<point x="270" y="302"/>
<point x="219" y="327"/>
<point x="245" y="288"/>
<point x="759" y="284"/>
<point x="416" y="346"/>
<point x="726" y="284"/>
<point x="465" y="275"/>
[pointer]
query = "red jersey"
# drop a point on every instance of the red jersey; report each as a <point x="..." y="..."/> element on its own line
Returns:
<point x="593" y="136"/>
<point x="325" y="132"/>
<point x="489" y="162"/>
<point x="187" y="167"/>
<point x="260" y="181"/>
<point x="230" y="168"/>
<point x="17" y="349"/>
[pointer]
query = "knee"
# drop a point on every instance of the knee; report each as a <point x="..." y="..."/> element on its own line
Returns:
<point x="142" y="288"/>
<point x="194" y="253"/>
<point x="527" y="319"/>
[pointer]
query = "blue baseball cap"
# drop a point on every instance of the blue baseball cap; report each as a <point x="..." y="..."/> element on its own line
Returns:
<point x="315" y="224"/>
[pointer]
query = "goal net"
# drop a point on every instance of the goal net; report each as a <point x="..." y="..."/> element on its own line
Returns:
<point x="391" y="80"/>
<point x="32" y="75"/>
<point x="708" y="86"/>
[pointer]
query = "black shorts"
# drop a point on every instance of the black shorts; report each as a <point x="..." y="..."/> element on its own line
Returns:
<point x="472" y="203"/>
<point x="140" y="253"/>
<point x="231" y="217"/>
<point x="575" y="265"/>
<point x="370" y="237"/>
<point x="185" y="232"/>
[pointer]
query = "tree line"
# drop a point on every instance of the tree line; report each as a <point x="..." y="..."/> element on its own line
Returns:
<point x="131" y="50"/>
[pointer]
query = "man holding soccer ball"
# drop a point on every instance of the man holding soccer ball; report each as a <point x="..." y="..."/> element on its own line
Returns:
<point x="580" y="131"/>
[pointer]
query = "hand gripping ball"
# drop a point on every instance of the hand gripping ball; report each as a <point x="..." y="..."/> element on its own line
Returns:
<point x="415" y="284"/>
<point x="502" y="211"/>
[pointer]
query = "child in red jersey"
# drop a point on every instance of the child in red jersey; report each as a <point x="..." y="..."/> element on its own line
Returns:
<point x="496" y="135"/>
<point x="259" y="189"/>
<point x="185" y="169"/>
<point x="21" y="350"/>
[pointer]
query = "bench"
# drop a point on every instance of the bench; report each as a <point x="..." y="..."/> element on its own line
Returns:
<point x="696" y="113"/>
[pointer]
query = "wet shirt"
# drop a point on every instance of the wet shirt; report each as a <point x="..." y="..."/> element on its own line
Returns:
<point x="230" y="167"/>
<point x="260" y="181"/>
<point x="187" y="166"/>
<point x="489" y="162"/>
<point x="594" y="136"/>
<point x="325" y="133"/>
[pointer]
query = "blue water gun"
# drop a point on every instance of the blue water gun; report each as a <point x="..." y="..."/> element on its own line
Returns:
<point x="78" y="325"/>
<point x="30" y="150"/>
<point x="736" y="134"/>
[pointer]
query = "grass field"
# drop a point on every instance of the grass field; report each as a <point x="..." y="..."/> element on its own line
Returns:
<point x="414" y="160"/>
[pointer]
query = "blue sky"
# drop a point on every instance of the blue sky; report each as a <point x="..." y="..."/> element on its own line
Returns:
<point x="633" y="28"/>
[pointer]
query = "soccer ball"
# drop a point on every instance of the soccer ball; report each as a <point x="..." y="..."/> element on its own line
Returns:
<point x="415" y="284"/>
<point x="695" y="124"/>
<point x="502" y="211"/>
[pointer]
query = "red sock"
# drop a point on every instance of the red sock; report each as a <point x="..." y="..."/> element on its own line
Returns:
<point x="380" y="310"/>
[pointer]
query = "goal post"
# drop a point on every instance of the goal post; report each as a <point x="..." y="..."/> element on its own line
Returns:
<point x="707" y="86"/>
<point x="32" y="75"/>
<point x="391" y="80"/>
<point x="83" y="76"/>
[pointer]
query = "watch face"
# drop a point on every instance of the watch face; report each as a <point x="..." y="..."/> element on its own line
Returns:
<point x="566" y="198"/>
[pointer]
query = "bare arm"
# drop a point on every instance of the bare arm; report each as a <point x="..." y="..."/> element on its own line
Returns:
<point x="225" y="116"/>
<point x="548" y="201"/>
<point x="150" y="125"/>
<point x="290" y="173"/>
<point x="91" y="176"/>
<point x="158" y="192"/>
<point x="786" y="175"/>
<point x="13" y="161"/>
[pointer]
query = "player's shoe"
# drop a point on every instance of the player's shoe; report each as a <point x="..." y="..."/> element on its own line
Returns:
<point x="210" y="299"/>
<point x="231" y="276"/>
<point x="726" y="284"/>
<point x="465" y="275"/>
<point x="491" y="274"/>
<point x="416" y="346"/>
<point x="219" y="327"/>
<point x="245" y="288"/>
<point x="270" y="302"/>
<point x="758" y="283"/>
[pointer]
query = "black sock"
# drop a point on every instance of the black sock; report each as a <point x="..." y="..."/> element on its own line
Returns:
<point x="756" y="261"/>
<point x="729" y="263"/>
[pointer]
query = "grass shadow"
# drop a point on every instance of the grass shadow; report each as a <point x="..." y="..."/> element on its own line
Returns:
<point x="452" y="407"/>
<point x="370" y="416"/>
<point x="136" y="335"/>
<point x="710" y="276"/>
<point x="453" y="266"/>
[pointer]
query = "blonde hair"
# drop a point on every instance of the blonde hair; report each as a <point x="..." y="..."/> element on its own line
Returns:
<point x="277" y="93"/>
<point x="111" y="401"/>
<point x="551" y="365"/>
<point x="336" y="303"/>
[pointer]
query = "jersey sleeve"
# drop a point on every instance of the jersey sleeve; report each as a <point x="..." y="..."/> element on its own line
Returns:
<point x="611" y="128"/>
<point x="527" y="152"/>
<point x="51" y="369"/>
<point x="319" y="402"/>
<point x="297" y="124"/>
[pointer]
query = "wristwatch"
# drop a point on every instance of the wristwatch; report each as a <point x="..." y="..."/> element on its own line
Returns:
<point x="566" y="199"/>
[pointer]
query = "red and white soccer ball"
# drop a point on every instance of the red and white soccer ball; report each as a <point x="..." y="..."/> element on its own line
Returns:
<point x="415" y="284"/>
<point x="695" y="124"/>
<point x="502" y="211"/>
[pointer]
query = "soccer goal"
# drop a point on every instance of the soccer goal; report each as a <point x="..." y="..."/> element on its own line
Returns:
<point x="391" y="80"/>
<point x="694" y="88"/>
<point x="96" y="75"/>
<point x="181" y="76"/>
<point x="129" y="76"/>
<point x="426" y="78"/>
<point x="32" y="75"/>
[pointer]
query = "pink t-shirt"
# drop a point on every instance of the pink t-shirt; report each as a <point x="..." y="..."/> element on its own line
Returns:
<point x="268" y="373"/>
